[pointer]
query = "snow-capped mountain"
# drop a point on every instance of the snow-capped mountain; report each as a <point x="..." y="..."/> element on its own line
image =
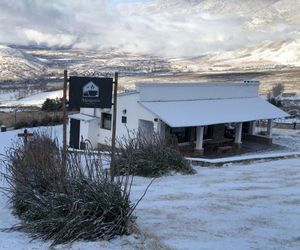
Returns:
<point x="267" y="56"/>
<point x="16" y="64"/>
<point x="22" y="63"/>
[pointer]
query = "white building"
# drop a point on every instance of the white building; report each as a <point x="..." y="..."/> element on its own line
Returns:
<point x="195" y="113"/>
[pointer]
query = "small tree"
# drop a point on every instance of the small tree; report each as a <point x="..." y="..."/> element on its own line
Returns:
<point x="274" y="96"/>
<point x="52" y="104"/>
<point x="277" y="90"/>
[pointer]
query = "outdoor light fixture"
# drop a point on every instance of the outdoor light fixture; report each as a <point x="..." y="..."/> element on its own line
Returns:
<point x="124" y="111"/>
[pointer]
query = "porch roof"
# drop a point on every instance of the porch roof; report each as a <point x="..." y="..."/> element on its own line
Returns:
<point x="213" y="111"/>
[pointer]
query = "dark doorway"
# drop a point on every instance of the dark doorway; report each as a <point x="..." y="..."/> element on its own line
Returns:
<point x="208" y="132"/>
<point x="74" y="133"/>
<point x="246" y="127"/>
<point x="184" y="134"/>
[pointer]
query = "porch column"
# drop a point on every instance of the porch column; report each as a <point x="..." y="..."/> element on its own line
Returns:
<point x="252" y="129"/>
<point x="238" y="133"/>
<point x="270" y="128"/>
<point x="199" y="138"/>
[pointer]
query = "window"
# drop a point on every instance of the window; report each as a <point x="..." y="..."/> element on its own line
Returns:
<point x="106" y="121"/>
<point x="124" y="119"/>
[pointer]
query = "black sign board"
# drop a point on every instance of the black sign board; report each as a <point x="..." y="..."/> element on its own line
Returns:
<point x="90" y="92"/>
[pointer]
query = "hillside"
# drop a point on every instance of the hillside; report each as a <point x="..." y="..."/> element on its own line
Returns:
<point x="16" y="64"/>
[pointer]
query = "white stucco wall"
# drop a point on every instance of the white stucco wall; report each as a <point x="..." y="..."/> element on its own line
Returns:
<point x="196" y="91"/>
<point x="134" y="112"/>
<point x="84" y="130"/>
<point x="94" y="133"/>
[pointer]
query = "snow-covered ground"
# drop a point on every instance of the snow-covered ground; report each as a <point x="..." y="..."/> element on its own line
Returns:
<point x="289" y="138"/>
<point x="235" y="207"/>
<point x="288" y="120"/>
<point x="253" y="206"/>
<point x="32" y="100"/>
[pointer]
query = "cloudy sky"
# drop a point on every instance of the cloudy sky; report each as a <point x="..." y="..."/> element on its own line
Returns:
<point x="162" y="27"/>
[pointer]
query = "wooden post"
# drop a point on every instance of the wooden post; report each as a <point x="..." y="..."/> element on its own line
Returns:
<point x="16" y="117"/>
<point x="114" y="126"/>
<point x="65" y="116"/>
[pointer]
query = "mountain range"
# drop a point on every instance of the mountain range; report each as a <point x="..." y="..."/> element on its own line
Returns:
<point x="250" y="36"/>
<point x="21" y="63"/>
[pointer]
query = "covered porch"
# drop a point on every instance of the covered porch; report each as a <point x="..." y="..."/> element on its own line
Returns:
<point x="214" y="126"/>
<point x="219" y="139"/>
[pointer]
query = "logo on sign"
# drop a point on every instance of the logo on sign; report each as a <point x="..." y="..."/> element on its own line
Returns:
<point x="90" y="90"/>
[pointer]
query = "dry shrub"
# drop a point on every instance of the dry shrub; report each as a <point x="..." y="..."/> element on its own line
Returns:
<point x="149" y="156"/>
<point x="65" y="202"/>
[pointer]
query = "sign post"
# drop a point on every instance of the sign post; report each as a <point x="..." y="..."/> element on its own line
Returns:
<point x="65" y="117"/>
<point x="95" y="92"/>
<point x="114" y="127"/>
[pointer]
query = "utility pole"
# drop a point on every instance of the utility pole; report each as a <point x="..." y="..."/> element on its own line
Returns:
<point x="65" y="117"/>
<point x="114" y="126"/>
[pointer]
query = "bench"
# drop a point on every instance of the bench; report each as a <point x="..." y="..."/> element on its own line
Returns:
<point x="224" y="149"/>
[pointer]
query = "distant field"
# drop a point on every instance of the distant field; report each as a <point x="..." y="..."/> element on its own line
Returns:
<point x="10" y="119"/>
<point x="290" y="78"/>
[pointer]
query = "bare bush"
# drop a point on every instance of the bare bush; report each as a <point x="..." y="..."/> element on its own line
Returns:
<point x="149" y="156"/>
<point x="65" y="202"/>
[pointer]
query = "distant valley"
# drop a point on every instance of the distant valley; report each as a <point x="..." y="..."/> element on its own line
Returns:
<point x="28" y="70"/>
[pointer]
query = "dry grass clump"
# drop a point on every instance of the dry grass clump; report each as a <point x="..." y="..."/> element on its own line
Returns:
<point x="149" y="156"/>
<point x="65" y="202"/>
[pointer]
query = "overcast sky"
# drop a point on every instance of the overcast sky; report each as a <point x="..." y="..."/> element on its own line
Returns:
<point x="162" y="27"/>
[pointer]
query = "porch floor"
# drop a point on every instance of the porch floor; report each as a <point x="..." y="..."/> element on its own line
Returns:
<point x="248" y="147"/>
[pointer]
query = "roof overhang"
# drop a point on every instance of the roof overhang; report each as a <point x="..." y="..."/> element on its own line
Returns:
<point x="82" y="117"/>
<point x="213" y="111"/>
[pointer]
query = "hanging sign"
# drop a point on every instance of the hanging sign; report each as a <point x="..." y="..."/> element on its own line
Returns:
<point x="90" y="92"/>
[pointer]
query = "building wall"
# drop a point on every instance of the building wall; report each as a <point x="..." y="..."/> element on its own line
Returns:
<point x="196" y="91"/>
<point x="93" y="133"/>
<point x="156" y="92"/>
<point x="134" y="112"/>
<point x="84" y="130"/>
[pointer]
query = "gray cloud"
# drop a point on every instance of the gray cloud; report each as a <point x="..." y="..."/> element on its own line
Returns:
<point x="171" y="28"/>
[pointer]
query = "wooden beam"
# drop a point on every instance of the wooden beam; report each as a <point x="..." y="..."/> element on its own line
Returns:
<point x="65" y="116"/>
